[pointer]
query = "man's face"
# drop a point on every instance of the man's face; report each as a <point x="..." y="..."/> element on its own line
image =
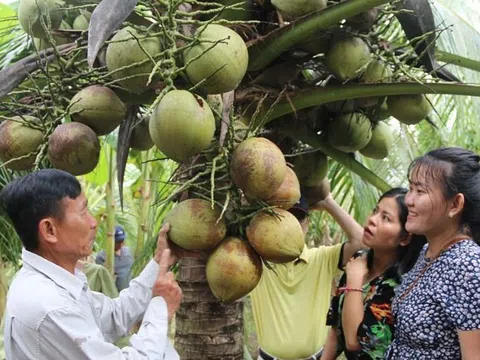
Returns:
<point x="75" y="231"/>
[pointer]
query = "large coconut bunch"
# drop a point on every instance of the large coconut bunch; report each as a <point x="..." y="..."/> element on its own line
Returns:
<point x="246" y="107"/>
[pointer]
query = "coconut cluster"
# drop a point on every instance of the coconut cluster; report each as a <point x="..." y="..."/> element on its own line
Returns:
<point x="259" y="170"/>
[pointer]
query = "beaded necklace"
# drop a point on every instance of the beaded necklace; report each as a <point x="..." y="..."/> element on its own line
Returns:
<point x="452" y="242"/>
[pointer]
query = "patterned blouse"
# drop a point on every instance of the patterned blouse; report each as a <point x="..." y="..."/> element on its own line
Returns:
<point x="375" y="333"/>
<point x="446" y="298"/>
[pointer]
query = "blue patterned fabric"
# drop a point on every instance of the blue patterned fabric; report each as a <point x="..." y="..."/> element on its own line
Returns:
<point x="445" y="299"/>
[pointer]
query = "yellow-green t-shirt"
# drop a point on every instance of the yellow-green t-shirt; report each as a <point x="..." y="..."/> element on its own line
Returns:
<point x="290" y="307"/>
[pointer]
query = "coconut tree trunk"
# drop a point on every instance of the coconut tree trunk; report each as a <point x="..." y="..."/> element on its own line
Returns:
<point x="205" y="327"/>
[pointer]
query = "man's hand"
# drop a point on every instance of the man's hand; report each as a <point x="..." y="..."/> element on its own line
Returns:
<point x="166" y="286"/>
<point x="162" y="245"/>
<point x="176" y="252"/>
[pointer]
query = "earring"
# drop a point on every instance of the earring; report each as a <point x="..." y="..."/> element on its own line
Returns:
<point x="450" y="215"/>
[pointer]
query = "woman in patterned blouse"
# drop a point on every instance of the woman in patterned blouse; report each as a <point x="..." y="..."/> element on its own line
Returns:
<point x="360" y="313"/>
<point x="437" y="306"/>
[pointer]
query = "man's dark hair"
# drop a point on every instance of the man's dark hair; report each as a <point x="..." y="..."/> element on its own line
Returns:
<point x="29" y="199"/>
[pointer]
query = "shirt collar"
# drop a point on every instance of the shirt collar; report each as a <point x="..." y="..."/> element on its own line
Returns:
<point x="305" y="255"/>
<point x="74" y="284"/>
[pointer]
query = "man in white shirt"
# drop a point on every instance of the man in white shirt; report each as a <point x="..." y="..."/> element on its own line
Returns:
<point x="51" y="313"/>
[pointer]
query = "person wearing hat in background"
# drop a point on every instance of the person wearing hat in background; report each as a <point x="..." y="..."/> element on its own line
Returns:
<point x="123" y="259"/>
<point x="291" y="301"/>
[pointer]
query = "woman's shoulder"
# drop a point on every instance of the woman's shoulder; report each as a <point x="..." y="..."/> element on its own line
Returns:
<point x="463" y="256"/>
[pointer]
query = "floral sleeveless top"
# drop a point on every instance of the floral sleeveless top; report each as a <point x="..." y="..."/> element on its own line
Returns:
<point x="375" y="333"/>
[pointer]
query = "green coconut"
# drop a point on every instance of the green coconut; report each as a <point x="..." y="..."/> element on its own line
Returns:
<point x="350" y="132"/>
<point x="223" y="66"/>
<point x="292" y="9"/>
<point x="409" y="109"/>
<point x="74" y="147"/>
<point x="378" y="113"/>
<point x="241" y="12"/>
<point x="99" y="108"/>
<point x="233" y="269"/>
<point x="182" y="125"/>
<point x="278" y="238"/>
<point x="31" y="13"/>
<point x="311" y="167"/>
<point x="288" y="193"/>
<point x="127" y="51"/>
<point x="347" y="58"/>
<point x="194" y="225"/>
<point x="81" y="22"/>
<point x="42" y="44"/>
<point x="141" y="139"/>
<point x="377" y="71"/>
<point x="364" y="20"/>
<point x="381" y="142"/>
<point x="18" y="140"/>
<point x="258" y="167"/>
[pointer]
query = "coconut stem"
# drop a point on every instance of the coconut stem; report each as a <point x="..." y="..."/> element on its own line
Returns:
<point x="347" y="160"/>
<point x="319" y="96"/>
<point x="457" y="60"/>
<point x="267" y="49"/>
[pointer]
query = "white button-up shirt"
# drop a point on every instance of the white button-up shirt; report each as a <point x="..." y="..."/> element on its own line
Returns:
<point x="52" y="314"/>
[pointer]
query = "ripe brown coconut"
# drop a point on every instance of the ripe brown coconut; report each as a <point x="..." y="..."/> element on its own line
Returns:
<point x="350" y="132"/>
<point x="182" y="125"/>
<point x="223" y="66"/>
<point x="141" y="139"/>
<point x="311" y="168"/>
<point x="99" y="108"/>
<point x="258" y="167"/>
<point x="347" y="58"/>
<point x="277" y="238"/>
<point x="74" y="147"/>
<point x="233" y="269"/>
<point x="288" y="193"/>
<point x="381" y="142"/>
<point x="409" y="109"/>
<point x="193" y="225"/>
<point x="128" y="48"/>
<point x="314" y="194"/>
<point x="17" y="140"/>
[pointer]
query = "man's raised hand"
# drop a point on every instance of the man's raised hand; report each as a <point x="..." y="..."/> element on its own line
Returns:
<point x="166" y="286"/>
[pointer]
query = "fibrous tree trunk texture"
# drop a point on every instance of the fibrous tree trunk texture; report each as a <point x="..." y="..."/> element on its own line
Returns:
<point x="205" y="327"/>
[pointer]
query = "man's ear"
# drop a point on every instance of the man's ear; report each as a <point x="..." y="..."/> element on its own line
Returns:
<point x="456" y="205"/>
<point x="47" y="230"/>
<point x="406" y="240"/>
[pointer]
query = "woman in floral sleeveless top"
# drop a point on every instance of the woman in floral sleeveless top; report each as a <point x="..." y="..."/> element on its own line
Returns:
<point x="360" y="313"/>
